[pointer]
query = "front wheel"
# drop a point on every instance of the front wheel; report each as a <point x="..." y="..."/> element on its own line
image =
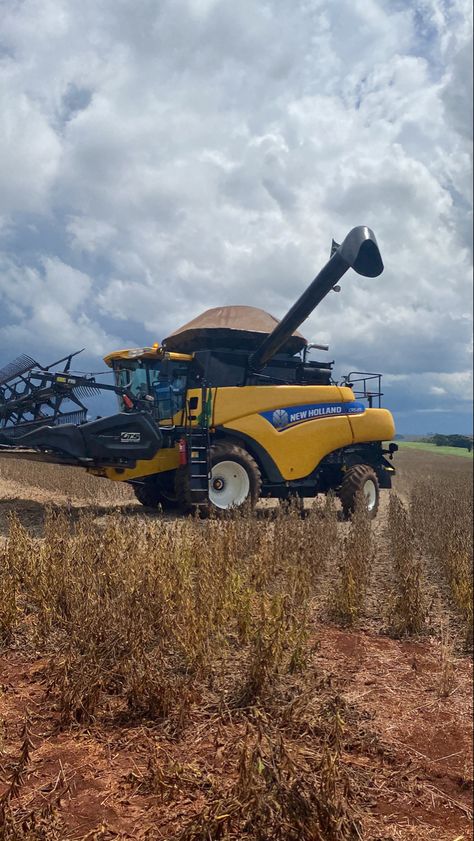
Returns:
<point x="234" y="481"/>
<point x="158" y="490"/>
<point x="235" y="477"/>
<point x="360" y="483"/>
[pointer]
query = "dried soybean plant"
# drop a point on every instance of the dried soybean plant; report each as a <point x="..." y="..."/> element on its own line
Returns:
<point x="356" y="558"/>
<point x="447" y="663"/>
<point x="144" y="612"/>
<point x="409" y="606"/>
<point x="279" y="794"/>
<point x="442" y="520"/>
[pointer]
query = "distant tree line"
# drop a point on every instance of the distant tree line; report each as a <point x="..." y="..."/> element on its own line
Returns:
<point x="463" y="441"/>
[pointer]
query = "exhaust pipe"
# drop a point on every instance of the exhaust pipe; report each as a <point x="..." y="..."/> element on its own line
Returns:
<point x="360" y="252"/>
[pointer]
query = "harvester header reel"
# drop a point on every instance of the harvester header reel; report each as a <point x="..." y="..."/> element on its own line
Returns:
<point x="32" y="395"/>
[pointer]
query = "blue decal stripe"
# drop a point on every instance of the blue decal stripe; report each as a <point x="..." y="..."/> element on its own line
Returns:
<point x="289" y="416"/>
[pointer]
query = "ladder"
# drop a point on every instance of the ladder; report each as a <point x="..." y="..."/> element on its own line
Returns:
<point x="198" y="451"/>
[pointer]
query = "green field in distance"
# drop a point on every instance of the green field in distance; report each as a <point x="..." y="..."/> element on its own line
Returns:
<point x="432" y="448"/>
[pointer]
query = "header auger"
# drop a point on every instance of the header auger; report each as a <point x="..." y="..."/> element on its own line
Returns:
<point x="226" y="410"/>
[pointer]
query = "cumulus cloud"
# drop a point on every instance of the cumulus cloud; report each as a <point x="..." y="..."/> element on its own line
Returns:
<point x="163" y="158"/>
<point x="49" y="306"/>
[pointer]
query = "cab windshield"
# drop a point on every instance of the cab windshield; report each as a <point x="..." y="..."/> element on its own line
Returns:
<point x="162" y="384"/>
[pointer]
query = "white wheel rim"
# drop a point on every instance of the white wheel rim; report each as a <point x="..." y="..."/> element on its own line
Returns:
<point x="370" y="494"/>
<point x="229" y="485"/>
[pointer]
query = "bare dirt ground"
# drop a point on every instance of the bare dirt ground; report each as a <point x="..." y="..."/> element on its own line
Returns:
<point x="408" y="746"/>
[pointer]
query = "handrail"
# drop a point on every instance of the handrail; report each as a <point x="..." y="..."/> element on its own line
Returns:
<point x="364" y="393"/>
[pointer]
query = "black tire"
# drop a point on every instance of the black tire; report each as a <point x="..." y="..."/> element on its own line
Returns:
<point x="158" y="490"/>
<point x="229" y="453"/>
<point x="355" y="486"/>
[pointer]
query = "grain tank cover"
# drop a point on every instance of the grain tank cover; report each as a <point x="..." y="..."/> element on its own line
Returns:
<point x="238" y="328"/>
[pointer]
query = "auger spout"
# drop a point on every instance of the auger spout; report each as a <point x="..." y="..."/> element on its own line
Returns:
<point x="358" y="251"/>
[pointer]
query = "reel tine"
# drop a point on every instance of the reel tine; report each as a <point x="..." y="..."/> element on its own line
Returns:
<point x="86" y="391"/>
<point x="72" y="417"/>
<point x="23" y="427"/>
<point x="18" y="366"/>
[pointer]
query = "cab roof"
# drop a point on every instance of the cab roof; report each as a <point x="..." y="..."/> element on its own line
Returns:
<point x="155" y="352"/>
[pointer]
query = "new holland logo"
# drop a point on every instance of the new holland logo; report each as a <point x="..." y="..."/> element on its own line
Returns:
<point x="130" y="437"/>
<point x="282" y="419"/>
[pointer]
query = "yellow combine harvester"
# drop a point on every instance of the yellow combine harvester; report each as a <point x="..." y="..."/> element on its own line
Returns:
<point x="226" y="410"/>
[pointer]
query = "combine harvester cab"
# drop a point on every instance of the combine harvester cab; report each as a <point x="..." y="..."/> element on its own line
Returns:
<point x="226" y="410"/>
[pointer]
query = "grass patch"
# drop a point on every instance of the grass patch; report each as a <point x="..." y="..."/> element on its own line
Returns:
<point x="432" y="448"/>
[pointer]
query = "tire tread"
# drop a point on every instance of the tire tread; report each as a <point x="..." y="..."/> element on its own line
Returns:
<point x="352" y="485"/>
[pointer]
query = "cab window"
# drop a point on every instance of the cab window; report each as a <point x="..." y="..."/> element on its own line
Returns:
<point x="164" y="383"/>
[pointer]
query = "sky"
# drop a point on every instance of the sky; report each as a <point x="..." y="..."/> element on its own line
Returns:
<point x="161" y="157"/>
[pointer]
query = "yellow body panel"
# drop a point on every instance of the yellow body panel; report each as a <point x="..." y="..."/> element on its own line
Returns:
<point x="373" y="425"/>
<point x="232" y="403"/>
<point x="296" y="451"/>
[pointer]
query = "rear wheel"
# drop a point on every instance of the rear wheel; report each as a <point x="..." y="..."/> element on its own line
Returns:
<point x="360" y="483"/>
<point x="158" y="490"/>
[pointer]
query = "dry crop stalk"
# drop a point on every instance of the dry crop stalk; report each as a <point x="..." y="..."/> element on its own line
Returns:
<point x="355" y="566"/>
<point x="42" y="824"/>
<point x="266" y="652"/>
<point x="8" y="599"/>
<point x="166" y="777"/>
<point x="446" y="681"/>
<point x="109" y="602"/>
<point x="409" y="605"/>
<point x="18" y="776"/>
<point x="442" y="519"/>
<point x="275" y="797"/>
